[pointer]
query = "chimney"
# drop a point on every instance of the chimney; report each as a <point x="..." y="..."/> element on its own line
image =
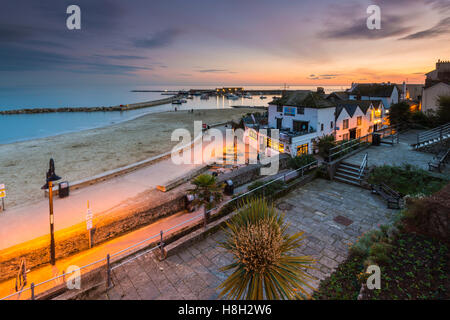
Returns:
<point x="404" y="90"/>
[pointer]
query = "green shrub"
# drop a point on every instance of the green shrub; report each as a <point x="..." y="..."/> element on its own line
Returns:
<point x="301" y="161"/>
<point x="379" y="253"/>
<point x="408" y="180"/>
<point x="325" y="144"/>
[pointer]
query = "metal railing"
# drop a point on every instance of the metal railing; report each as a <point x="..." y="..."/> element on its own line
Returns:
<point x="436" y="133"/>
<point x="345" y="147"/>
<point x="107" y="260"/>
<point x="363" y="166"/>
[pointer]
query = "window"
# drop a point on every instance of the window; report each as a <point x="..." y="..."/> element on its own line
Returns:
<point x="345" y="137"/>
<point x="358" y="121"/>
<point x="303" y="149"/>
<point x="358" y="133"/>
<point x="345" y="124"/>
<point x="300" y="110"/>
<point x="331" y="124"/>
<point x="321" y="127"/>
<point x="299" y="126"/>
<point x="279" y="109"/>
<point x="371" y="116"/>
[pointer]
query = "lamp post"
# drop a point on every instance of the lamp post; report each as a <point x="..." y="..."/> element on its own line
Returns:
<point x="51" y="177"/>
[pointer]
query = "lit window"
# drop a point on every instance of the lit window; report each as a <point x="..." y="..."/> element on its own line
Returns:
<point x="303" y="149"/>
<point x="358" y="121"/>
<point x="345" y="124"/>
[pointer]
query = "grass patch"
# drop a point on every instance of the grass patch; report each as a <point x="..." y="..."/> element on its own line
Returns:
<point x="407" y="179"/>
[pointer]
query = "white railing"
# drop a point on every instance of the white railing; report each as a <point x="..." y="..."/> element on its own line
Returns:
<point x="363" y="165"/>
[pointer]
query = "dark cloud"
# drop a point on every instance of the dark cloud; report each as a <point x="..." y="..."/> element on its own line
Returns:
<point x="159" y="39"/>
<point x="22" y="59"/>
<point x="322" y="76"/>
<point x="14" y="33"/>
<point x="216" y="71"/>
<point x="391" y="26"/>
<point x="121" y="57"/>
<point x="443" y="27"/>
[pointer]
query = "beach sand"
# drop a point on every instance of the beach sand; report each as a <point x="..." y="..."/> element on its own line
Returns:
<point x="80" y="155"/>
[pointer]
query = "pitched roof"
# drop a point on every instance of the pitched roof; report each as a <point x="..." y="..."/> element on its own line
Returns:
<point x="340" y="95"/>
<point x="373" y="89"/>
<point x="303" y="98"/>
<point x="351" y="105"/>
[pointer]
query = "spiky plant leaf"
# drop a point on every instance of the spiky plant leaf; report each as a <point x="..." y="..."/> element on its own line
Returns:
<point x="264" y="267"/>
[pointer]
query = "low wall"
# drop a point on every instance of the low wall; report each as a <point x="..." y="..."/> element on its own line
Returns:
<point x="145" y="211"/>
<point x="127" y="107"/>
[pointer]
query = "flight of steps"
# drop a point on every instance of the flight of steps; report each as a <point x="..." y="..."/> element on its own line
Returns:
<point x="349" y="173"/>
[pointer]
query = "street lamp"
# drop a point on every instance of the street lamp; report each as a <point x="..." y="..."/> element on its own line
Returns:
<point x="51" y="176"/>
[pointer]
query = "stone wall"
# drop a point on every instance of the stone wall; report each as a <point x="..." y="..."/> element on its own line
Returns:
<point x="145" y="209"/>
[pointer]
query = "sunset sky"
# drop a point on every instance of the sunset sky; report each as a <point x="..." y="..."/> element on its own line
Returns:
<point x="229" y="42"/>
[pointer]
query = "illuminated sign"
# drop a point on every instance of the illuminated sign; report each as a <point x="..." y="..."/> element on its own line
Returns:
<point x="289" y="111"/>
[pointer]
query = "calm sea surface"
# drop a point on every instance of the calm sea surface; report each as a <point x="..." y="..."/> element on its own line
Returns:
<point x="14" y="128"/>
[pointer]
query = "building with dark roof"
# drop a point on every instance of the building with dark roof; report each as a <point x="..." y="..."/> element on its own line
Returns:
<point x="386" y="92"/>
<point x="303" y="117"/>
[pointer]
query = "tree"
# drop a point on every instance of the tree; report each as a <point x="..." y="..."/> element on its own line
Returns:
<point x="443" y="113"/>
<point x="325" y="144"/>
<point x="207" y="192"/>
<point x="264" y="267"/>
<point x="399" y="113"/>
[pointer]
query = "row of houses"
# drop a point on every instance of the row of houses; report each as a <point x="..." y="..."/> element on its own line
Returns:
<point x="303" y="117"/>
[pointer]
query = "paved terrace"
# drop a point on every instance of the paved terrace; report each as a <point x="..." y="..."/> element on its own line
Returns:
<point x="194" y="273"/>
<point x="396" y="155"/>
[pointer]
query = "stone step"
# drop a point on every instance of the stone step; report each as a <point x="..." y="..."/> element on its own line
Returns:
<point x="344" y="180"/>
<point x="347" y="172"/>
<point x="347" y="176"/>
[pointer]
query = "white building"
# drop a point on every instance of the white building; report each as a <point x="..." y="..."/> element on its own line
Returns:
<point x="302" y="117"/>
<point x="386" y="92"/>
<point x="437" y="84"/>
<point x="357" y="118"/>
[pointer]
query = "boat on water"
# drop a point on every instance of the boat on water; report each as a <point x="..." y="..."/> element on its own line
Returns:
<point x="232" y="96"/>
<point x="176" y="101"/>
<point x="263" y="97"/>
<point x="189" y="97"/>
<point x="248" y="96"/>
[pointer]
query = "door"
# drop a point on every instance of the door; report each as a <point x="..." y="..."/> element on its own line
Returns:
<point x="279" y="122"/>
<point x="352" y="133"/>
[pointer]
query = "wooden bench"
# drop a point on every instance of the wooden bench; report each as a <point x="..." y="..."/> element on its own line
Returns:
<point x="439" y="161"/>
<point x="394" y="199"/>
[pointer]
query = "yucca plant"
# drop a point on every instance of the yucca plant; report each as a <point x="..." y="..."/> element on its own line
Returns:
<point x="264" y="267"/>
<point x="207" y="192"/>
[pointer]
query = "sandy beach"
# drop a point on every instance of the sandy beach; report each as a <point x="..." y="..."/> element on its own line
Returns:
<point x="86" y="153"/>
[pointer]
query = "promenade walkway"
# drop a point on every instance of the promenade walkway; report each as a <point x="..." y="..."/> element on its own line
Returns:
<point x="23" y="223"/>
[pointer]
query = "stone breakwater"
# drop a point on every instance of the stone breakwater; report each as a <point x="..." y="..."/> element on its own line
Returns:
<point x="92" y="109"/>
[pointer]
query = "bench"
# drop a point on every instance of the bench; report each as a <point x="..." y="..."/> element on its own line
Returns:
<point x="394" y="199"/>
<point x="439" y="161"/>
